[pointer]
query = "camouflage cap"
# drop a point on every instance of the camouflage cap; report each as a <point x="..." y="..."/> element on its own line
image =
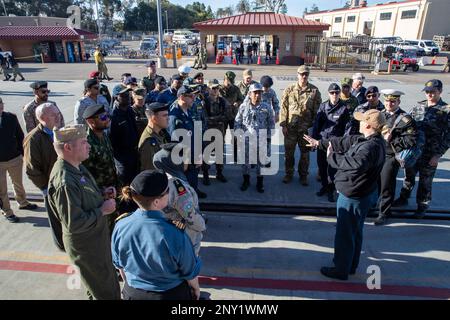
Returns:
<point x="303" y="69"/>
<point x="373" y="117"/>
<point x="70" y="133"/>
<point x="230" y="75"/>
<point x="38" y="84"/>
<point x="214" y="83"/>
<point x="347" y="82"/>
<point x="247" y="73"/>
<point x="139" y="92"/>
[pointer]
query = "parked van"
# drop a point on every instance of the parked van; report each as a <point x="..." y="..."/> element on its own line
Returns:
<point x="183" y="37"/>
<point x="148" y="43"/>
<point x="430" y="47"/>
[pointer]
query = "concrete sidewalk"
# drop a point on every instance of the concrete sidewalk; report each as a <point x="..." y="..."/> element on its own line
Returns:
<point x="250" y="256"/>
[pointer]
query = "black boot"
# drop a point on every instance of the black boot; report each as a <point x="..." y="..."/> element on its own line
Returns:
<point x="400" y="202"/>
<point x="246" y="182"/>
<point x="221" y="177"/>
<point x="260" y="184"/>
<point x="380" y="220"/>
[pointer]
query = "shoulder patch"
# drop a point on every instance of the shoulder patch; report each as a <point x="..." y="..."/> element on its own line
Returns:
<point x="122" y="216"/>
<point x="181" y="190"/>
<point x="153" y="141"/>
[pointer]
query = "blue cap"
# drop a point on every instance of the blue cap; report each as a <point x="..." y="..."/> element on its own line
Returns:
<point x="185" y="90"/>
<point x="433" y="85"/>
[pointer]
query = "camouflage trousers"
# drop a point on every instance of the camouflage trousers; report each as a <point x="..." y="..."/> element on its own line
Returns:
<point x="101" y="67"/>
<point x="254" y="151"/>
<point x="291" y="140"/>
<point x="16" y="72"/>
<point x="426" y="175"/>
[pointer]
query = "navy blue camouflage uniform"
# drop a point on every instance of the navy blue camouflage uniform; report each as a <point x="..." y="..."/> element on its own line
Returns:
<point x="434" y="122"/>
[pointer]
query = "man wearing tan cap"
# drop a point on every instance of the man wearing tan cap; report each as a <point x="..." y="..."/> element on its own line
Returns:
<point x="247" y="81"/>
<point x="299" y="106"/>
<point x="81" y="207"/>
<point x="358" y="161"/>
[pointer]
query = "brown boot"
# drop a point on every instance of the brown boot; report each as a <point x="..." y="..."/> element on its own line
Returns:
<point x="287" y="178"/>
<point x="304" y="180"/>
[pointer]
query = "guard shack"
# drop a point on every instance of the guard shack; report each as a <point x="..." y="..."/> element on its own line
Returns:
<point x="287" y="35"/>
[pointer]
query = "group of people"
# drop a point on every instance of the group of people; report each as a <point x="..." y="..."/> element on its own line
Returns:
<point x="114" y="192"/>
<point x="9" y="61"/>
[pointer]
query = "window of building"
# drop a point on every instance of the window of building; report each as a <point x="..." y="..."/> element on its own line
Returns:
<point x="318" y="20"/>
<point x="336" y="34"/>
<point x="386" y="16"/>
<point x="351" y="18"/>
<point x="338" y="20"/>
<point x="349" y="34"/>
<point x="409" y="14"/>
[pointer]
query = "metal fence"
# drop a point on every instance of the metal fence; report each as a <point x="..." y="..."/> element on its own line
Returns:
<point x="334" y="53"/>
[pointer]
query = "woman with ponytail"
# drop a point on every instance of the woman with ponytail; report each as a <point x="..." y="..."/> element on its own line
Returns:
<point x="154" y="257"/>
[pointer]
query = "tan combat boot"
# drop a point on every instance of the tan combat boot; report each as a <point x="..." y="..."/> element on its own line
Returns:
<point x="287" y="178"/>
<point x="304" y="180"/>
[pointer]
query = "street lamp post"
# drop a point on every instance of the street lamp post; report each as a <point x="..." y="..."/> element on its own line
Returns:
<point x="167" y="23"/>
<point x="162" y="63"/>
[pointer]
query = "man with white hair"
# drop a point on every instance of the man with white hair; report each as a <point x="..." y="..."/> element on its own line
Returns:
<point x="40" y="156"/>
<point x="82" y="207"/>
<point x="358" y="91"/>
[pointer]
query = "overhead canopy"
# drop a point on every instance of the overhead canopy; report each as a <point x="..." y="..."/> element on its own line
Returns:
<point x="44" y="33"/>
<point x="260" y="21"/>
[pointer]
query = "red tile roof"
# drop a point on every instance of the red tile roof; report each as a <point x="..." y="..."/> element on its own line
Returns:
<point x="43" y="33"/>
<point x="265" y="19"/>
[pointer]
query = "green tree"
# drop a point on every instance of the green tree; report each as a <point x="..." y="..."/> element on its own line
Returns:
<point x="51" y="8"/>
<point x="283" y="9"/>
<point x="314" y="8"/>
<point x="243" y="6"/>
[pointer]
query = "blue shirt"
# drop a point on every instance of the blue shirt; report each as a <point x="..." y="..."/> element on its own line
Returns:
<point x="154" y="254"/>
<point x="167" y="96"/>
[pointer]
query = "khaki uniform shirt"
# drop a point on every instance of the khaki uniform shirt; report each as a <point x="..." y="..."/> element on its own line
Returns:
<point x="149" y="144"/>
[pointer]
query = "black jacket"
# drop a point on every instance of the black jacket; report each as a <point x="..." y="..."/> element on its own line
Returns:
<point x="124" y="135"/>
<point x="330" y="120"/>
<point x="404" y="136"/>
<point x="11" y="137"/>
<point x="358" y="161"/>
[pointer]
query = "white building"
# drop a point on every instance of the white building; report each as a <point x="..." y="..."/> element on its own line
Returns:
<point x="410" y="19"/>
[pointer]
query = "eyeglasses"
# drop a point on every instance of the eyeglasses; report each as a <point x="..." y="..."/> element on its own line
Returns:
<point x="334" y="92"/>
<point x="430" y="92"/>
<point x="369" y="96"/>
<point x="103" y="117"/>
<point x="304" y="74"/>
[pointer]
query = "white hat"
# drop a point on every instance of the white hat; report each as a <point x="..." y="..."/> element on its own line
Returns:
<point x="358" y="76"/>
<point x="184" y="69"/>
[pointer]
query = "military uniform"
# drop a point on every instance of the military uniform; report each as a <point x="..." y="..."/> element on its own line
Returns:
<point x="434" y="122"/>
<point x="217" y="115"/>
<point x="351" y="103"/>
<point x="76" y="199"/>
<point x="183" y="206"/>
<point x="298" y="109"/>
<point x="140" y="117"/>
<point x="403" y="136"/>
<point x="202" y="58"/>
<point x="233" y="95"/>
<point x="149" y="82"/>
<point x="244" y="87"/>
<point x="149" y="144"/>
<point x="252" y="119"/>
<point x="270" y="97"/>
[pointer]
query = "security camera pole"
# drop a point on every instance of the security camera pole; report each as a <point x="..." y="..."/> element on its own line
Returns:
<point x="162" y="63"/>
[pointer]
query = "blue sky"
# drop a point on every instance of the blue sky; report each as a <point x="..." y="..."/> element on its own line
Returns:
<point x="295" y="7"/>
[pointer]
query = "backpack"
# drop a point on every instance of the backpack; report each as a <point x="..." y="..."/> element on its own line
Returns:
<point x="408" y="157"/>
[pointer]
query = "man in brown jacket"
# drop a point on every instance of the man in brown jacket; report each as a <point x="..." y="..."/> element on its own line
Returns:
<point x="40" y="156"/>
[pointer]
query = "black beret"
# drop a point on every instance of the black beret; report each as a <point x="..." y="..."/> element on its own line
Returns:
<point x="38" y="84"/>
<point x="157" y="106"/>
<point x="89" y="83"/>
<point x="93" y="110"/>
<point x="186" y="90"/>
<point x="266" y="81"/>
<point x="150" y="183"/>
<point x="334" y="87"/>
